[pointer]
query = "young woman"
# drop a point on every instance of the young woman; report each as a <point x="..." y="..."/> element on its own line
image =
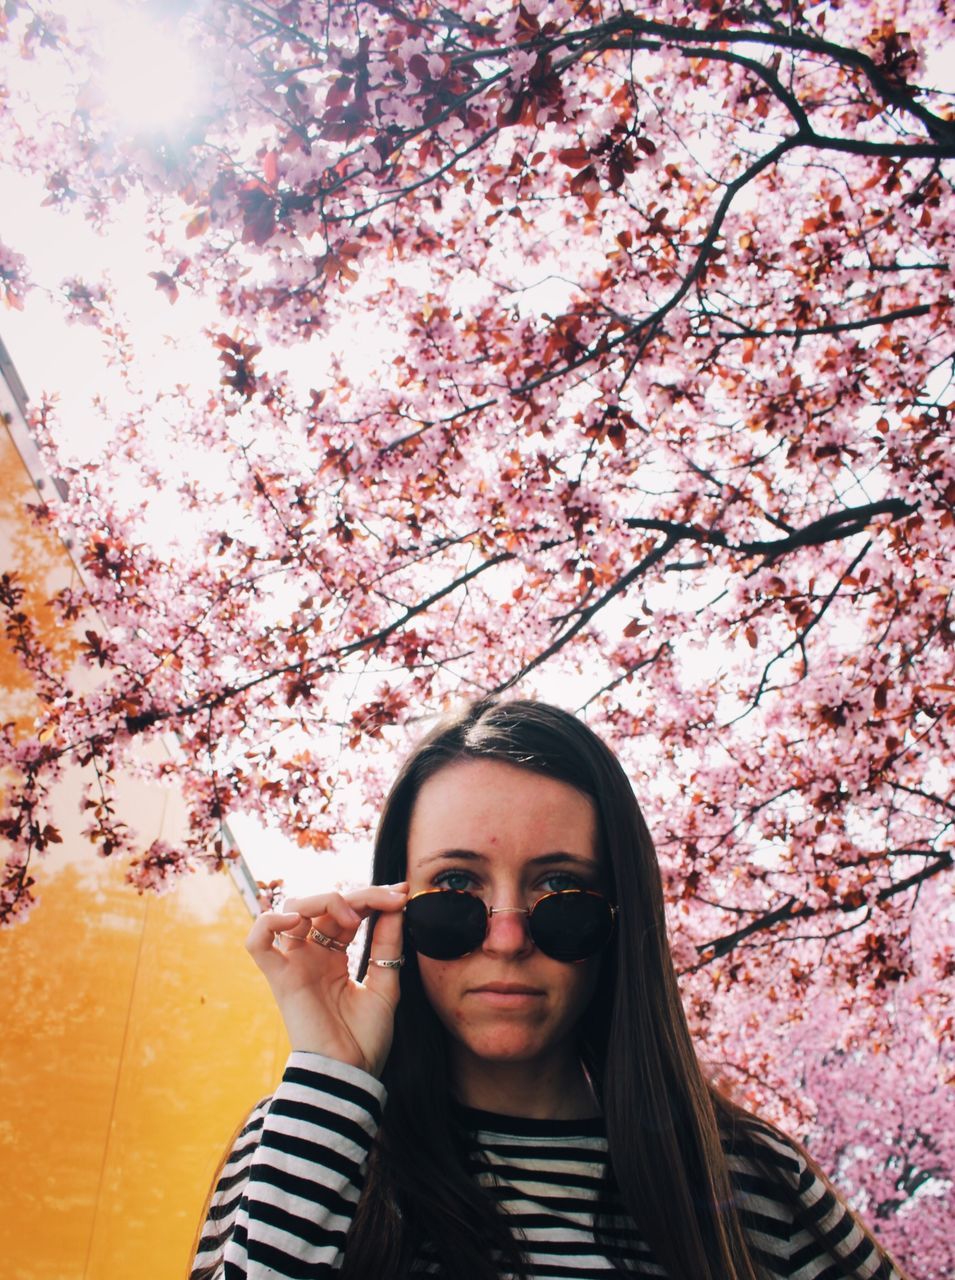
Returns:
<point x="509" y="1088"/>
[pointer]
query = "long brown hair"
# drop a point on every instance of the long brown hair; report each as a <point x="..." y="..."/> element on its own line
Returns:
<point x="667" y="1162"/>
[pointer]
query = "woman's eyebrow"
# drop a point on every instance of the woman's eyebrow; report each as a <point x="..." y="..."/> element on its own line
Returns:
<point x="548" y="859"/>
<point x="542" y="860"/>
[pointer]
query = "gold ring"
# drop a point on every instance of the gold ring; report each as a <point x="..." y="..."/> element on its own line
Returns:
<point x="323" y="940"/>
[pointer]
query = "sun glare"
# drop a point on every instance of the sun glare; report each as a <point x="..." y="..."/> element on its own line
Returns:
<point x="150" y="80"/>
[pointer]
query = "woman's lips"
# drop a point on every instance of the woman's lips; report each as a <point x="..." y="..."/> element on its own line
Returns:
<point x="506" y="995"/>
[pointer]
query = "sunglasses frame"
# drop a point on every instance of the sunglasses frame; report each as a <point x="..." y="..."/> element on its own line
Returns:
<point x="526" y="911"/>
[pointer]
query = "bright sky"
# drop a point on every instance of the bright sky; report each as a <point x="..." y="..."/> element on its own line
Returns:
<point x="141" y="61"/>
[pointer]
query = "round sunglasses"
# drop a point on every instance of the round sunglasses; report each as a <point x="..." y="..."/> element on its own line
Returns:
<point x="570" y="925"/>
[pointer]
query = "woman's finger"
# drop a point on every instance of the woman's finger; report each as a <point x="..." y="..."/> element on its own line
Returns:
<point x="336" y="929"/>
<point x="342" y="913"/>
<point x="368" y="898"/>
<point x="269" y="923"/>
<point x="266" y="928"/>
<point x="385" y="956"/>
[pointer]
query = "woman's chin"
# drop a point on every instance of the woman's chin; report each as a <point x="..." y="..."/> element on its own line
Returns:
<point x="507" y="1044"/>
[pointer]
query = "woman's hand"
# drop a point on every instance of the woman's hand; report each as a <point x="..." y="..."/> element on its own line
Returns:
<point x="325" y="1010"/>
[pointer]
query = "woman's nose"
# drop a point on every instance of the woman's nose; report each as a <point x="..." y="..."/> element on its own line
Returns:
<point x="507" y="931"/>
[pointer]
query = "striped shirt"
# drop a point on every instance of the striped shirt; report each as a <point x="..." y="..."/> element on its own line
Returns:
<point x="287" y="1194"/>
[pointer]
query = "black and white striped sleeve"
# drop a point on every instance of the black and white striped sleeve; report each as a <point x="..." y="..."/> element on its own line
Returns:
<point x="808" y="1232"/>
<point x="288" y="1191"/>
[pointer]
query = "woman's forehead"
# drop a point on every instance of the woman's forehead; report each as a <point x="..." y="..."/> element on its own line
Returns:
<point x="491" y="809"/>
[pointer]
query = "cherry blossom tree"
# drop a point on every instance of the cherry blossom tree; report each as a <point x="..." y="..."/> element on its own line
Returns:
<point x="596" y="351"/>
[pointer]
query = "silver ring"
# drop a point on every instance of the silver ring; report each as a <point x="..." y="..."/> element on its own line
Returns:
<point x="387" y="964"/>
<point x="323" y="940"/>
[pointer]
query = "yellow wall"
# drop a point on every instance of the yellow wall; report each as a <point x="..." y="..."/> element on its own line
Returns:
<point x="135" y="1032"/>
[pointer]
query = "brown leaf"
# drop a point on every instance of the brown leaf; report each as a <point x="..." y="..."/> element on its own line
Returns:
<point x="198" y="225"/>
<point x="165" y="284"/>
<point x="574" y="157"/>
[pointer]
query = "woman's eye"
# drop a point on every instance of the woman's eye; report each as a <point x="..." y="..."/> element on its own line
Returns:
<point x="460" y="880"/>
<point x="560" y="880"/>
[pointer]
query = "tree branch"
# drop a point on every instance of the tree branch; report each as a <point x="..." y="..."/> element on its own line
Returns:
<point x="830" y="528"/>
<point x="792" y="910"/>
<point x="585" y="615"/>
<point x="840" y="326"/>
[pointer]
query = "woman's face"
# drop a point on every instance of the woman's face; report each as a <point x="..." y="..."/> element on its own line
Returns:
<point x="508" y="835"/>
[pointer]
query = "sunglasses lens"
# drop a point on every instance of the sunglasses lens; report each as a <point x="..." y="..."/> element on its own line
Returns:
<point x="572" y="925"/>
<point x="445" y="924"/>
